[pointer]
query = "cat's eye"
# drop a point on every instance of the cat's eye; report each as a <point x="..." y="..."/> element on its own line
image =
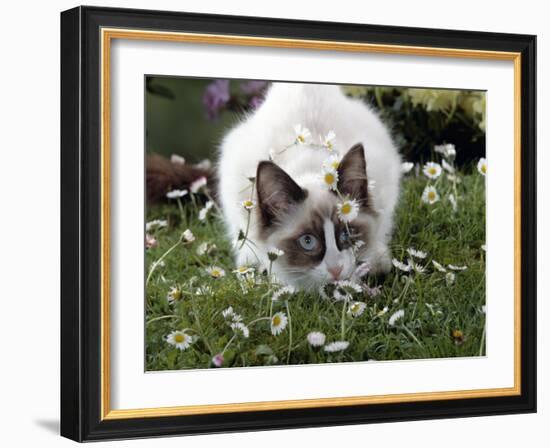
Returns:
<point x="308" y="242"/>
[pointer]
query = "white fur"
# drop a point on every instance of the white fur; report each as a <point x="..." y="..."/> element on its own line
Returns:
<point x="320" y="108"/>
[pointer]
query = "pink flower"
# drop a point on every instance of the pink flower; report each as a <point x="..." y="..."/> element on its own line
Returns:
<point x="217" y="360"/>
<point x="150" y="241"/>
<point x="215" y="98"/>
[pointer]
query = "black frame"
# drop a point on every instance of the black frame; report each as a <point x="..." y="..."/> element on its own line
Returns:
<point x="80" y="223"/>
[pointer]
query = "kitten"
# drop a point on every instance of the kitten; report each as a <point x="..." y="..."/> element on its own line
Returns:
<point x="293" y="211"/>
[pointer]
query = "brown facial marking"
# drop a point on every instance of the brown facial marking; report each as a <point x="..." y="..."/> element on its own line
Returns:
<point x="352" y="176"/>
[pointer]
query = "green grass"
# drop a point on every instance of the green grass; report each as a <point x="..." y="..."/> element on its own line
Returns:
<point x="433" y="308"/>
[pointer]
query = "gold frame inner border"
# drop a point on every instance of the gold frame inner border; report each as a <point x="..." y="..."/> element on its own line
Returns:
<point x="107" y="35"/>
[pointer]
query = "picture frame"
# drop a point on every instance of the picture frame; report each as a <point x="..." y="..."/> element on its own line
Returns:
<point x="86" y="37"/>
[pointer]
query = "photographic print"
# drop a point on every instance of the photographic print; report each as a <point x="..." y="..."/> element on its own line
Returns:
<point x="291" y="224"/>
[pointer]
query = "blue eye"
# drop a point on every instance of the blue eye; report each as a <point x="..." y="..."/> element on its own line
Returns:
<point x="308" y="242"/>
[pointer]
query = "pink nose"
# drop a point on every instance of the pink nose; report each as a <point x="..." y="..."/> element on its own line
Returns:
<point x="335" y="271"/>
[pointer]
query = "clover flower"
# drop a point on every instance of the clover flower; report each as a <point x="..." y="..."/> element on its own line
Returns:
<point x="204" y="211"/>
<point x="336" y="346"/>
<point x="328" y="140"/>
<point x="180" y="340"/>
<point x="176" y="194"/>
<point x="482" y="166"/>
<point x="348" y="210"/>
<point x="316" y="338"/>
<point x="188" y="236"/>
<point x="430" y="195"/>
<point x="198" y="184"/>
<point x="399" y="314"/>
<point x="303" y="135"/>
<point x="432" y="170"/>
<point x="215" y="272"/>
<point x="356" y="309"/>
<point x="279" y="322"/>
<point x="329" y="178"/>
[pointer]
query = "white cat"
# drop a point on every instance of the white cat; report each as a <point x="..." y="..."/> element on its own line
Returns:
<point x="292" y="210"/>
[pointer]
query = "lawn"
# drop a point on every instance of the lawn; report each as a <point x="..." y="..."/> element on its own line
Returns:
<point x="428" y="310"/>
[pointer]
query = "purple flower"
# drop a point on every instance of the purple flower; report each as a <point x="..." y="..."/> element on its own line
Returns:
<point x="217" y="360"/>
<point x="255" y="102"/>
<point x="253" y="87"/>
<point x="215" y="97"/>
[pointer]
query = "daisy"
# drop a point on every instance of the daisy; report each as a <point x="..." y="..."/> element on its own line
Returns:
<point x="316" y="338"/>
<point x="274" y="253"/>
<point x="302" y="135"/>
<point x="416" y="253"/>
<point x="416" y="267"/>
<point x="450" y="278"/>
<point x="401" y="266"/>
<point x="217" y="360"/>
<point x="430" y="195"/>
<point x="243" y="270"/>
<point x="349" y="285"/>
<point x="283" y="291"/>
<point x="177" y="160"/>
<point x="174" y="294"/>
<point x="179" y="339"/>
<point x="447" y="166"/>
<point x="204" y="211"/>
<point x="240" y="327"/>
<point x="356" y="309"/>
<point x="215" y="272"/>
<point x="439" y="266"/>
<point x="329" y="178"/>
<point x="336" y="346"/>
<point x="205" y="248"/>
<point x="150" y="241"/>
<point x="188" y="236"/>
<point x="399" y="314"/>
<point x="328" y="140"/>
<point x="279" y="322"/>
<point x="457" y="268"/>
<point x="229" y="313"/>
<point x="175" y="194"/>
<point x="383" y="311"/>
<point x="406" y="167"/>
<point x="432" y="170"/>
<point x="155" y="224"/>
<point x="248" y="204"/>
<point x="448" y="150"/>
<point x="482" y="166"/>
<point x="348" y="210"/>
<point x="198" y="184"/>
<point x="332" y="163"/>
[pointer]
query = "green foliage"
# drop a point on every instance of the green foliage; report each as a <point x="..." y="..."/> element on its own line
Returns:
<point x="433" y="307"/>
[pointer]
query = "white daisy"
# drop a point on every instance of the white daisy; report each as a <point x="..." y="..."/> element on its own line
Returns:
<point x="328" y="140"/>
<point x="329" y="178"/>
<point x="383" y="311"/>
<point x="198" y="184"/>
<point x="482" y="166"/>
<point x="332" y="163"/>
<point x="156" y="224"/>
<point x="439" y="266"/>
<point x="243" y="270"/>
<point x="274" y="253"/>
<point x="416" y="267"/>
<point x="416" y="253"/>
<point x="399" y="314"/>
<point x="450" y="278"/>
<point x="248" y="204"/>
<point x="447" y="166"/>
<point x="279" y="322"/>
<point x="401" y="266"/>
<point x="206" y="248"/>
<point x="406" y="167"/>
<point x="336" y="346"/>
<point x="174" y="294"/>
<point x="457" y="268"/>
<point x="230" y="314"/>
<point x="347" y="210"/>
<point x="357" y="308"/>
<point x="430" y="195"/>
<point x="240" y="327"/>
<point x="179" y="339"/>
<point x="215" y="272"/>
<point x="448" y="150"/>
<point x="432" y="170"/>
<point x="287" y="290"/>
<point x="204" y="211"/>
<point x="347" y="284"/>
<point x="177" y="160"/>
<point x="175" y="194"/>
<point x="316" y="338"/>
<point x="303" y="135"/>
<point x="188" y="236"/>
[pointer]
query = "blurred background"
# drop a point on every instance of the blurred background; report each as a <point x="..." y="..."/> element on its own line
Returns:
<point x="188" y="116"/>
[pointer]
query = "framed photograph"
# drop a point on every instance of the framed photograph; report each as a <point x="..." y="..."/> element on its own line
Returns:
<point x="277" y="224"/>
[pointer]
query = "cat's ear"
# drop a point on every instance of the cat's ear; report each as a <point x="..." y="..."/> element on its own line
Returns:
<point x="352" y="175"/>
<point x="277" y="192"/>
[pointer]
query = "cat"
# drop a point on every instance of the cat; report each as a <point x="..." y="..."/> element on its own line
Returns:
<point x="271" y="162"/>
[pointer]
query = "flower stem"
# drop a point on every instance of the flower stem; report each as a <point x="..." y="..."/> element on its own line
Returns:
<point x="156" y="263"/>
<point x="289" y="332"/>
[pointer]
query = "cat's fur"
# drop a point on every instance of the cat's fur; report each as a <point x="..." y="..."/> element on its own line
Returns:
<point x="290" y="200"/>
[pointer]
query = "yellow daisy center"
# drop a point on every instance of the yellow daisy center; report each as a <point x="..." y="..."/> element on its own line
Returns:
<point x="176" y="294"/>
<point x="242" y="270"/>
<point x="432" y="170"/>
<point x="300" y="138"/>
<point x="431" y="195"/>
<point x="457" y="334"/>
<point x="179" y="338"/>
<point x="215" y="273"/>
<point x="248" y="203"/>
<point x="276" y="321"/>
<point x="346" y="208"/>
<point x="329" y="178"/>
<point x="484" y="169"/>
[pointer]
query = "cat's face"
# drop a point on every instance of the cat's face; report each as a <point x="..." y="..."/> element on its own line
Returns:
<point x="303" y="222"/>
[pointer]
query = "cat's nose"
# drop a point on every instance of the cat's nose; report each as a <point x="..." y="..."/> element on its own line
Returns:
<point x="335" y="271"/>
